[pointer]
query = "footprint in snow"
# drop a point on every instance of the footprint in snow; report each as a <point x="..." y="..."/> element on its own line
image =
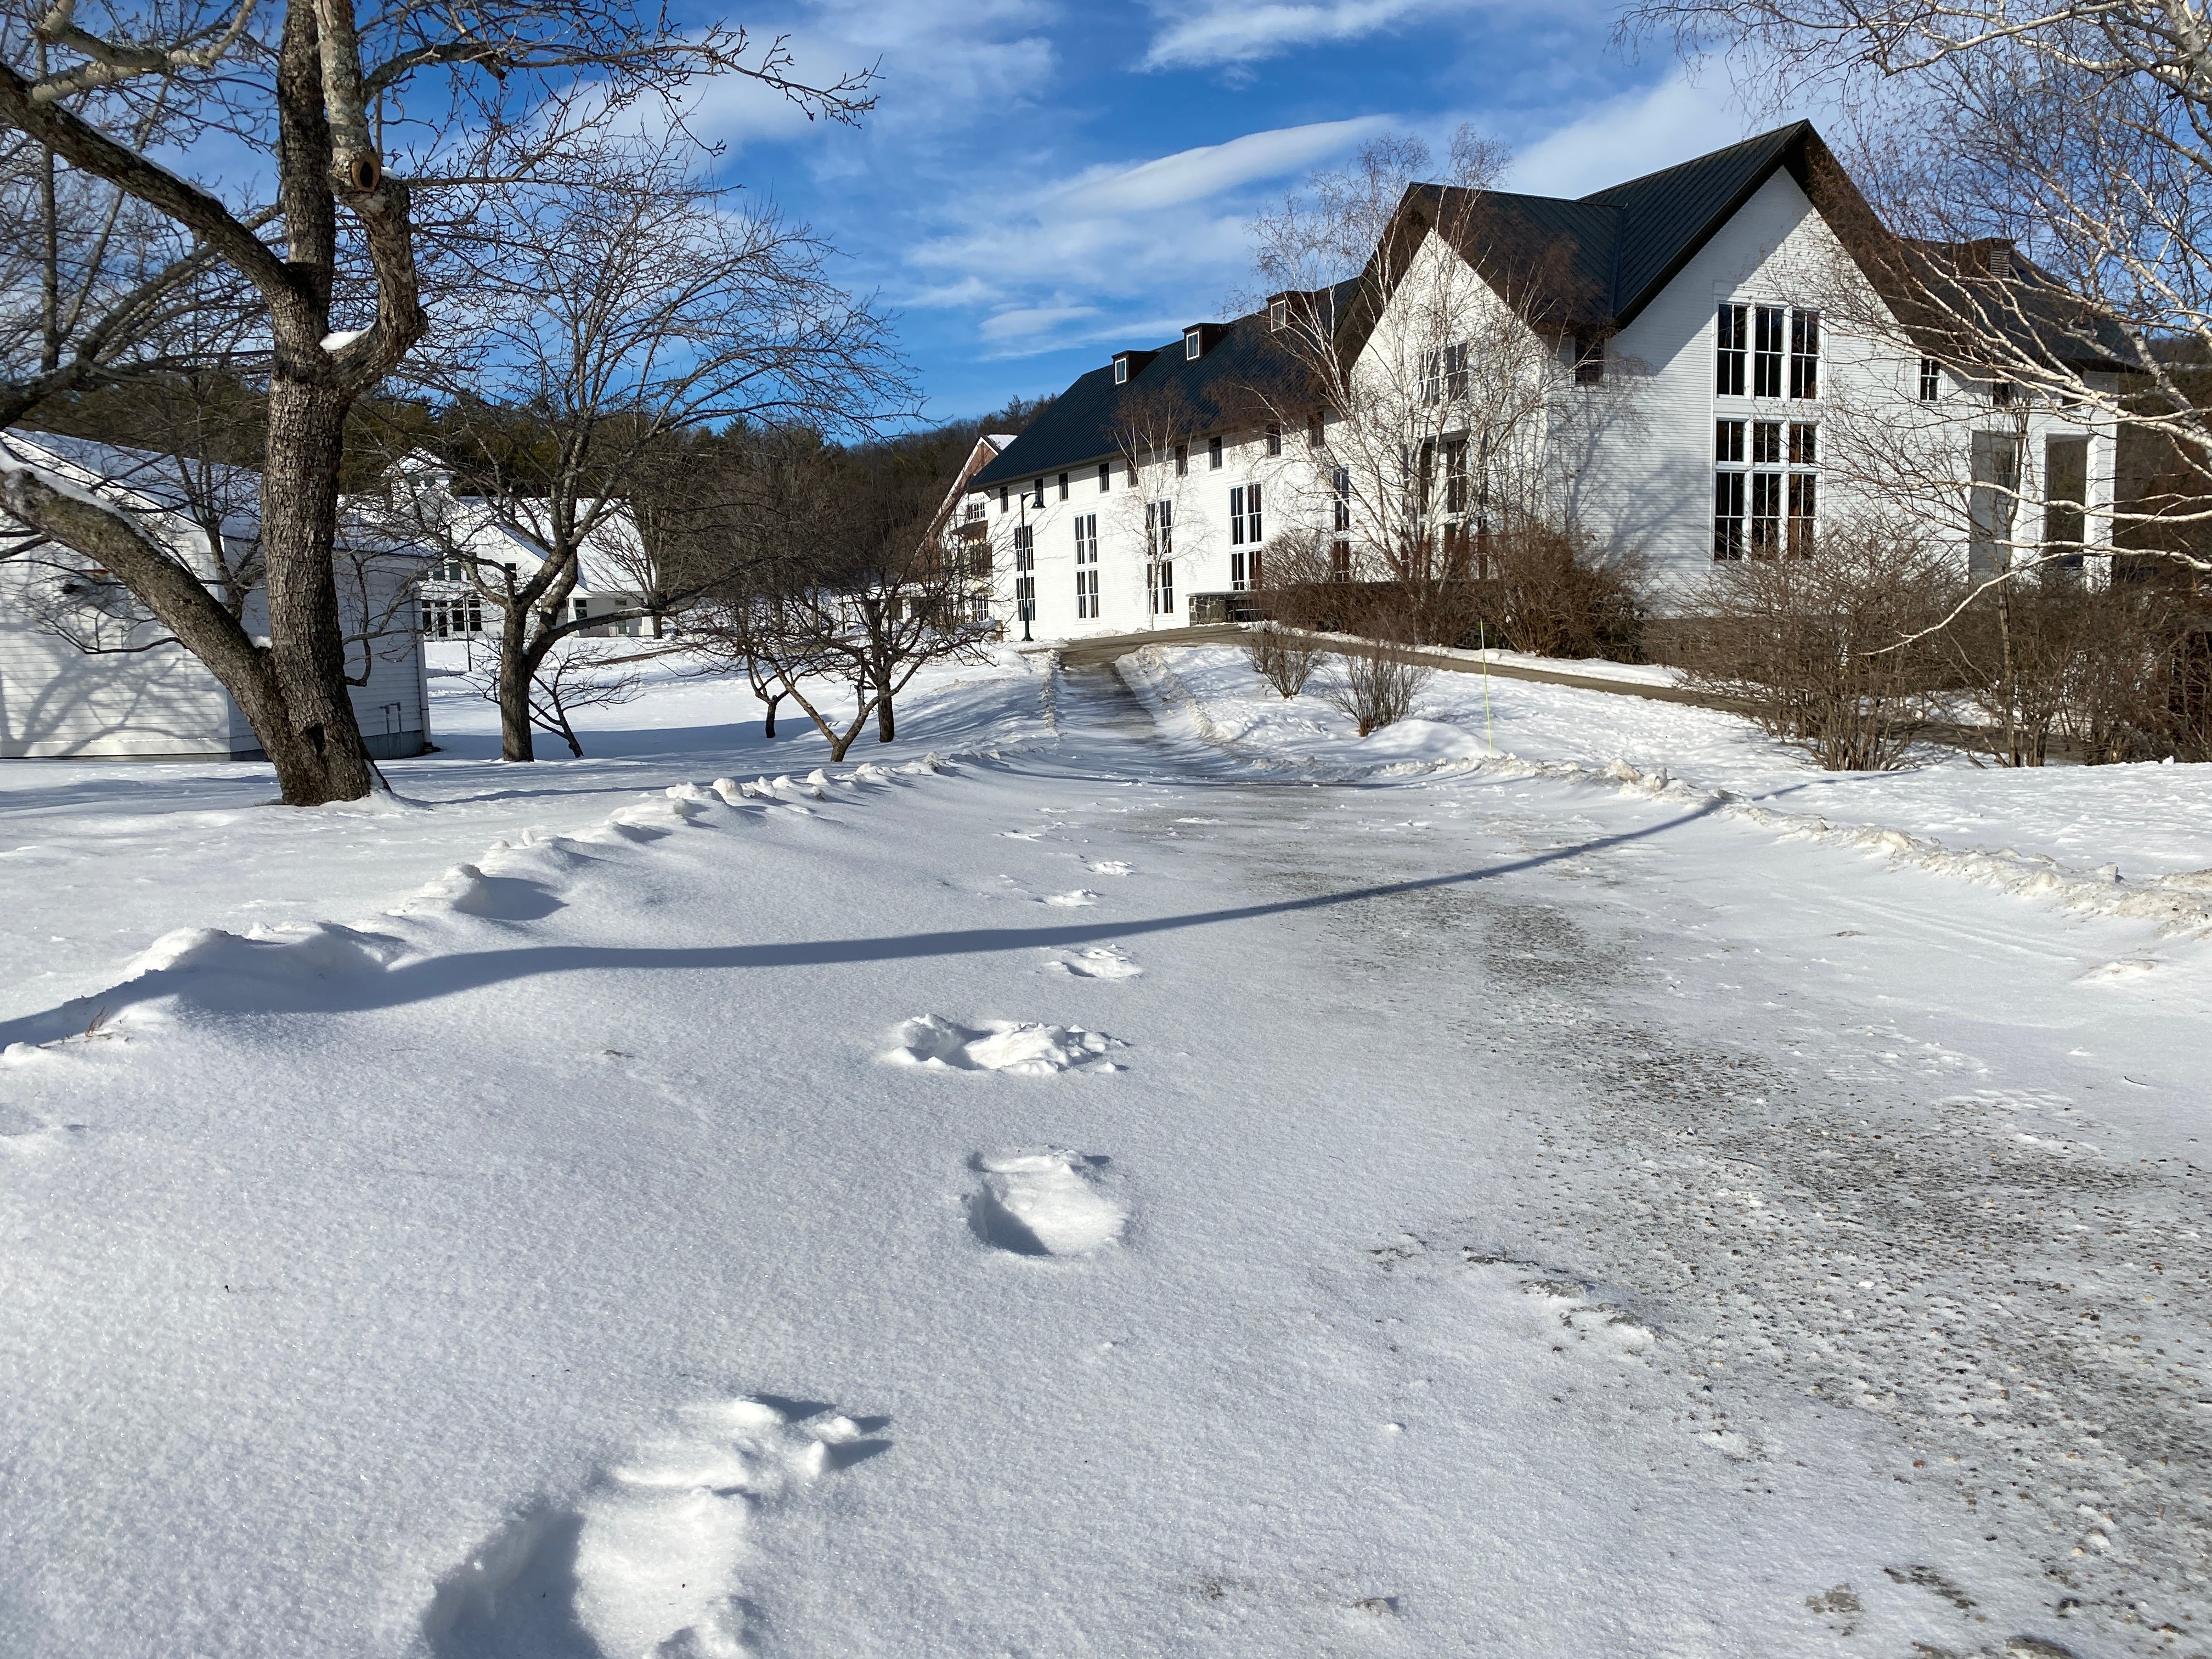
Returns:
<point x="648" y="1561"/>
<point x="1076" y="900"/>
<point x="1051" y="1203"/>
<point x="1099" y="961"/>
<point x="1024" y="1048"/>
<point x="1109" y="867"/>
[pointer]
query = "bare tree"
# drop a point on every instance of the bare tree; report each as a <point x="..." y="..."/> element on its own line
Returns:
<point x="584" y="674"/>
<point x="615" y="314"/>
<point x="1453" y="362"/>
<point x="293" y="148"/>
<point x="841" y="586"/>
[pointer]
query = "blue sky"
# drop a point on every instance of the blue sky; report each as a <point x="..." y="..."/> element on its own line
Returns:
<point x="1043" y="181"/>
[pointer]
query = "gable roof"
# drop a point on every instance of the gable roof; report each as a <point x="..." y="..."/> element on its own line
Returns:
<point x="1244" y="371"/>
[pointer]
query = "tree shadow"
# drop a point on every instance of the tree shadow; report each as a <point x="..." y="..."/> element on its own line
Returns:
<point x="431" y="977"/>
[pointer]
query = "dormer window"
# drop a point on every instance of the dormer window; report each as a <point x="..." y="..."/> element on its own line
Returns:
<point x="1194" y="341"/>
<point x="1121" y="369"/>
<point x="1279" y="315"/>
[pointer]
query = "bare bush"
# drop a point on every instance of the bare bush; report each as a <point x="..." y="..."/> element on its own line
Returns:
<point x="1553" y="592"/>
<point x="1829" y="652"/>
<point x="1284" y="661"/>
<point x="1381" y="681"/>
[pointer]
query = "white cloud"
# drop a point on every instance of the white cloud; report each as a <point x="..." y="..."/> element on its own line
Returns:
<point x="1026" y="322"/>
<point x="1628" y="137"/>
<point x="1199" y="36"/>
<point x="1047" y="263"/>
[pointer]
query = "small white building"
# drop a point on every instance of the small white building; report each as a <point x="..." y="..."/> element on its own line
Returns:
<point x="480" y="548"/>
<point x="1687" y="306"/>
<point x="85" y="673"/>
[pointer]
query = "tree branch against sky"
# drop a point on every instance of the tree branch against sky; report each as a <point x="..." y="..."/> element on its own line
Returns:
<point x="284" y="144"/>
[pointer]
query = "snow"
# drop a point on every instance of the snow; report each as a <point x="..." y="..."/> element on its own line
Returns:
<point x="2084" y="826"/>
<point x="706" y="1199"/>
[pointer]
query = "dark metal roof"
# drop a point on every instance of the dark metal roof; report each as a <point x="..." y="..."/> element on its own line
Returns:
<point x="1245" y="373"/>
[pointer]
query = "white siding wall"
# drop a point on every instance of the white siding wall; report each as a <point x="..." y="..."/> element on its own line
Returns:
<point x="1202" y="547"/>
<point x="56" y="702"/>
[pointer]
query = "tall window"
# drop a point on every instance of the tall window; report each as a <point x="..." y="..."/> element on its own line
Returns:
<point x="1339" y="484"/>
<point x="1244" y="515"/>
<point x="1086" y="595"/>
<point x="1766" y="351"/>
<point x="1024" y="547"/>
<point x="1024" y="570"/>
<point x="1274" y="440"/>
<point x="1804" y="353"/>
<point x="1086" y="538"/>
<point x="1183" y="459"/>
<point x="1729" y="352"/>
<point x="1456" y="371"/>
<point x="1340" y="562"/>
<point x="1213" y="454"/>
<point x="1316" y="436"/>
<point x="1160" y="530"/>
<point x="1728" y="486"/>
<point x="1455" y="476"/>
<point x="1159" y="586"/>
<point x="1432" y="377"/>
<point x="1765" y="487"/>
<point x="1063" y="487"/>
<point x="1105" y="476"/>
<point x="1931" y="380"/>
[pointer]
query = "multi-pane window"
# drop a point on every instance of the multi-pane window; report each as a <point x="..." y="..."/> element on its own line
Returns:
<point x="446" y="619"/>
<point x="1086" y="594"/>
<point x="1804" y="353"/>
<point x="1244" y="570"/>
<point x="1456" y="371"/>
<point x="1159" y="529"/>
<point x="1340" y="484"/>
<point x="1315" y="437"/>
<point x="1730" y="350"/>
<point x="1244" y="515"/>
<point x="1159" y="586"/>
<point x="1213" y="454"/>
<point x="1728" y="515"/>
<point x="1340" y="562"/>
<point x="1931" y="380"/>
<point x="1274" y="441"/>
<point x="973" y="513"/>
<point x="1766" y="351"/>
<point x="1455" y="476"/>
<point x="1024" y="547"/>
<point x="1086" y="538"/>
<point x="1765" y="487"/>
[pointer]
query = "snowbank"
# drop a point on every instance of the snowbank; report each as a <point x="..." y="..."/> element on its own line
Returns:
<point x="2030" y="832"/>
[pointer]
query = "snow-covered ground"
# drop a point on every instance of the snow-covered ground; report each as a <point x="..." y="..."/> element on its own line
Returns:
<point x="1166" y="1178"/>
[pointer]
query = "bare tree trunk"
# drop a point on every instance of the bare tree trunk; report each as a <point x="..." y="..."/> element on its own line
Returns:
<point x="299" y="524"/>
<point x="769" y="729"/>
<point x="516" y="667"/>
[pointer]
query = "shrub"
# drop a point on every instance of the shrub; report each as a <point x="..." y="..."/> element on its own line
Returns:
<point x="1380" y="683"/>
<point x="1832" y="651"/>
<point x="1284" y="661"/>
<point x="1552" y="592"/>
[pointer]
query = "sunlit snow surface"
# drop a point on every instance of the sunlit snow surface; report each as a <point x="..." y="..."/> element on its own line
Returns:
<point x="1106" y="1173"/>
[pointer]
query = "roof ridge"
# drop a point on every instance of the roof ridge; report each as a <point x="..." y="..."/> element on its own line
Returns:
<point x="1757" y="138"/>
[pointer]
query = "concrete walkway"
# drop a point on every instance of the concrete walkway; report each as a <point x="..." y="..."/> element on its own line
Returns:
<point x="1102" y="649"/>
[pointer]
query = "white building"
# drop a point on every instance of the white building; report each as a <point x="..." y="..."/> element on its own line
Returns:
<point x="84" y="672"/>
<point x="482" y="548"/>
<point x="1696" y="381"/>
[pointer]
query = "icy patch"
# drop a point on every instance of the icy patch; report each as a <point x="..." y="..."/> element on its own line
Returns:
<point x="648" y="1562"/>
<point x="1074" y="901"/>
<point x="1021" y="1046"/>
<point x="1100" y="962"/>
<point x="1045" y="1204"/>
